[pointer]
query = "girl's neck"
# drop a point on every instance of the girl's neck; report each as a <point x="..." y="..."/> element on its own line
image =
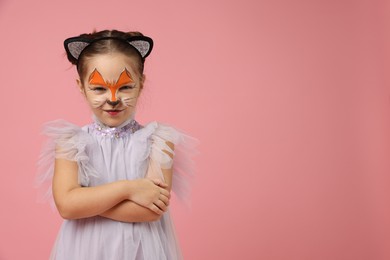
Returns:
<point x="131" y="118"/>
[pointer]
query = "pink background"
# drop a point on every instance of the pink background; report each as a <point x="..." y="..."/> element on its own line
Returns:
<point x="289" y="99"/>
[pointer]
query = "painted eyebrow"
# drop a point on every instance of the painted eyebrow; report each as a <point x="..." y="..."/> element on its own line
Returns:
<point x="97" y="79"/>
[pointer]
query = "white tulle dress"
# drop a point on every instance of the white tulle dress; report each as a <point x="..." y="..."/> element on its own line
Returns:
<point x="106" y="155"/>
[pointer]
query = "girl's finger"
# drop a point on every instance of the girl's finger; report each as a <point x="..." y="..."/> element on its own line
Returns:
<point x="160" y="183"/>
<point x="156" y="209"/>
<point x="161" y="205"/>
<point x="165" y="192"/>
<point x="164" y="199"/>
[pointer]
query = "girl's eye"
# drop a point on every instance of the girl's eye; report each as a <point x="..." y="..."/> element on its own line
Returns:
<point x="127" y="87"/>
<point x="98" y="89"/>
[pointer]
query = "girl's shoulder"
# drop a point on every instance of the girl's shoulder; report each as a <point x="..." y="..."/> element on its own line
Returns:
<point x="157" y="130"/>
<point x="161" y="137"/>
<point x="62" y="129"/>
<point x="66" y="140"/>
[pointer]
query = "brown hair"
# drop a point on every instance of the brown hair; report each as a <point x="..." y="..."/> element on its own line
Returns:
<point x="106" y="46"/>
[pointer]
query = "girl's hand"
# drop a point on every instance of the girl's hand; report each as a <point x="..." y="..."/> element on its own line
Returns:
<point x="151" y="193"/>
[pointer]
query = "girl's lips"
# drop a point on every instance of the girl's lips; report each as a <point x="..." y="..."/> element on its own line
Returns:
<point x="113" y="112"/>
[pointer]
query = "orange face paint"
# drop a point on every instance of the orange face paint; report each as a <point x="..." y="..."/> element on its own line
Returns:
<point x="124" y="78"/>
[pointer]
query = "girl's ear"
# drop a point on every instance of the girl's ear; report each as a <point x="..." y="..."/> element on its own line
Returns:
<point x="81" y="87"/>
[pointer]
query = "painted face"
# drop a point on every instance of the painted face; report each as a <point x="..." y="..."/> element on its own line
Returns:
<point x="96" y="79"/>
<point x="111" y="92"/>
<point x="112" y="88"/>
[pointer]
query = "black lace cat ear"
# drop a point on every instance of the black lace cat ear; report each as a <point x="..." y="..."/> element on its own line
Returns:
<point x="143" y="44"/>
<point x="74" y="46"/>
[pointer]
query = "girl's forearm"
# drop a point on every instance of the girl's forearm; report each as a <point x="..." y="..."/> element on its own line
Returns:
<point x="74" y="201"/>
<point x="83" y="202"/>
<point x="128" y="211"/>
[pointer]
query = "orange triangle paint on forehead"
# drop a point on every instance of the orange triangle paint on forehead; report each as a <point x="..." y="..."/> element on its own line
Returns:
<point x="96" y="79"/>
<point x="124" y="78"/>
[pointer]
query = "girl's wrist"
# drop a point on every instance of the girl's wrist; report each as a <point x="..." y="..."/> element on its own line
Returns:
<point x="128" y="189"/>
<point x="124" y="189"/>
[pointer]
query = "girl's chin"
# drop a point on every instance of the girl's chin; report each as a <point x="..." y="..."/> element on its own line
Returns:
<point x="112" y="121"/>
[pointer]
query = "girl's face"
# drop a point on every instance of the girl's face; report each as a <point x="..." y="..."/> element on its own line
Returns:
<point x="111" y="87"/>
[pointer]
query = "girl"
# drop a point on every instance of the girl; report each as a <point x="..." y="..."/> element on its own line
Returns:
<point x="111" y="180"/>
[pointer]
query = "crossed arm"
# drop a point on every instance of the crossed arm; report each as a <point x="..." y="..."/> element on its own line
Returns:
<point x="126" y="200"/>
<point x="129" y="211"/>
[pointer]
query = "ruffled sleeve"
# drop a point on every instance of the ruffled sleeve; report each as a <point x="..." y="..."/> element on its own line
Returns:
<point x="182" y="163"/>
<point x="65" y="141"/>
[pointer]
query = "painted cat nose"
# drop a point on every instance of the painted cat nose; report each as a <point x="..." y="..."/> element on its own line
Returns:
<point x="113" y="103"/>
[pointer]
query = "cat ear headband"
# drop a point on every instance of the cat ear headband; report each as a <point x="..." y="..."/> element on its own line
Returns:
<point x="74" y="46"/>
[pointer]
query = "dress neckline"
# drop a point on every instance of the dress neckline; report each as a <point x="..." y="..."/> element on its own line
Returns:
<point x="129" y="126"/>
